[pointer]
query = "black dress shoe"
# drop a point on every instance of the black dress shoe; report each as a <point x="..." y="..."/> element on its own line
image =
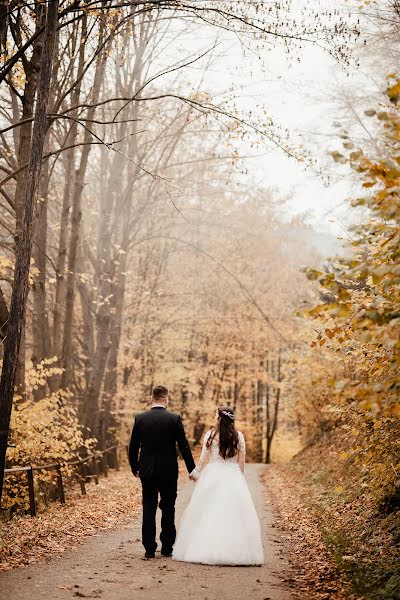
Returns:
<point x="165" y="552"/>
<point x="149" y="555"/>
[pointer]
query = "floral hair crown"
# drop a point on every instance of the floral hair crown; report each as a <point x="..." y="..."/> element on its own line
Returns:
<point x="227" y="414"/>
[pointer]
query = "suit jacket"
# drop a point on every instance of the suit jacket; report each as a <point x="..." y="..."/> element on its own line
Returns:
<point x="152" y="449"/>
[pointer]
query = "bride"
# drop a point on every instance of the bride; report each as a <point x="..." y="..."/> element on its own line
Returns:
<point x="220" y="526"/>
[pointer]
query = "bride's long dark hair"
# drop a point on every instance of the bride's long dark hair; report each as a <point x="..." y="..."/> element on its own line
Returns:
<point x="228" y="436"/>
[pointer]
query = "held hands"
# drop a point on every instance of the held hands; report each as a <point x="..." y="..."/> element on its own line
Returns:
<point x="192" y="477"/>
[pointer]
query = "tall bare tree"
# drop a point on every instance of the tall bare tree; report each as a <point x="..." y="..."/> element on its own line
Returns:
<point x="24" y="240"/>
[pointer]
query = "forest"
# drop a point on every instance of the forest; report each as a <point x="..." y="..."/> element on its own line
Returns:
<point x="144" y="240"/>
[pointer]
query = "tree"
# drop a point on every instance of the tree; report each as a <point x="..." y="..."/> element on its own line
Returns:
<point x="24" y="243"/>
<point x="90" y="226"/>
<point x="359" y="315"/>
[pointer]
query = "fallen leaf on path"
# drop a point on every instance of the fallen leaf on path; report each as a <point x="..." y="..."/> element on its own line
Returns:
<point x="57" y="528"/>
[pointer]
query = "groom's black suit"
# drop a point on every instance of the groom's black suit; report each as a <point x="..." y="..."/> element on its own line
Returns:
<point x="155" y="435"/>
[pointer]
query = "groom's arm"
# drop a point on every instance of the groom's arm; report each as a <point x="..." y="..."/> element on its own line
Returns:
<point x="184" y="447"/>
<point x="134" y="446"/>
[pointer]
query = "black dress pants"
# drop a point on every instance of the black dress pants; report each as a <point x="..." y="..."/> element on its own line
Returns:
<point x="153" y="488"/>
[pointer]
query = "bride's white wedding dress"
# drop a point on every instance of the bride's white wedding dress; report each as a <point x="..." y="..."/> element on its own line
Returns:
<point x="220" y="526"/>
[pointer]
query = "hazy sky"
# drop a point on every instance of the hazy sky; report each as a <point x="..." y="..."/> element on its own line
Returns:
<point x="299" y="96"/>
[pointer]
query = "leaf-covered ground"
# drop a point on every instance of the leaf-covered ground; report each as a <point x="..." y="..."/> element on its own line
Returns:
<point x="339" y="533"/>
<point x="313" y="573"/>
<point x="57" y="528"/>
<point x="111" y="566"/>
<point x="339" y="546"/>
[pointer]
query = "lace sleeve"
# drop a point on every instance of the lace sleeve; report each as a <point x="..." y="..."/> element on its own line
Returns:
<point x="242" y="452"/>
<point x="204" y="457"/>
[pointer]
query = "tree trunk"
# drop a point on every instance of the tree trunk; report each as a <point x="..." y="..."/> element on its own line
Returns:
<point x="272" y="419"/>
<point x="76" y="219"/>
<point x="104" y="299"/>
<point x="24" y="242"/>
<point x="3" y="28"/>
<point x="60" y="265"/>
<point x="24" y="149"/>
<point x="267" y="417"/>
<point x="88" y="346"/>
<point x="110" y="380"/>
<point x="40" y="325"/>
<point x="3" y="316"/>
<point x="65" y="212"/>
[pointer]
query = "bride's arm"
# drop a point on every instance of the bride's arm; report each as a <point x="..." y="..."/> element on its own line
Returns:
<point x="242" y="452"/>
<point x="204" y="458"/>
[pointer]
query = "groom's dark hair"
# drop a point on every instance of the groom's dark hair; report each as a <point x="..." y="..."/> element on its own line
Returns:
<point x="160" y="392"/>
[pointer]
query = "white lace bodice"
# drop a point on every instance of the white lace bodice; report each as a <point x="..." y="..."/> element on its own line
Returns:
<point x="212" y="454"/>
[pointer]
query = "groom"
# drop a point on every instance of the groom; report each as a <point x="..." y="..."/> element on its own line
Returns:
<point x="155" y="434"/>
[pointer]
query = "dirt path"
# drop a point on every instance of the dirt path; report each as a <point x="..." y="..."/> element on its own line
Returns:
<point x="110" y="566"/>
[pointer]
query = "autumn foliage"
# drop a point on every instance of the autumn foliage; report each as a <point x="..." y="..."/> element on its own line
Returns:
<point x="356" y="382"/>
